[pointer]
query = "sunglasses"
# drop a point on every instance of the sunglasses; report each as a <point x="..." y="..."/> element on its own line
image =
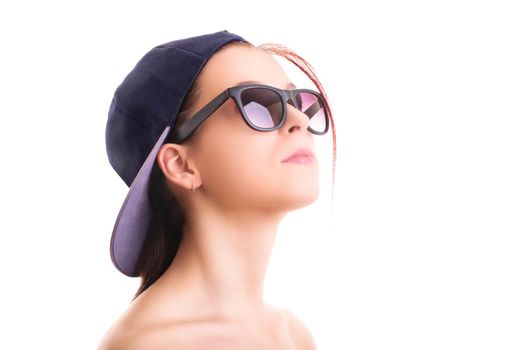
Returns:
<point x="263" y="108"/>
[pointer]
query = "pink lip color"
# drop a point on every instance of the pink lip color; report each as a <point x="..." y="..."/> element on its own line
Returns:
<point x="300" y="159"/>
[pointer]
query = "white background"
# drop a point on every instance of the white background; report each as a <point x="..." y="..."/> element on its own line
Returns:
<point x="423" y="245"/>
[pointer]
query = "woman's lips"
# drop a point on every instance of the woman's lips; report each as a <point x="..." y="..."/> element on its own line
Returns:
<point x="301" y="156"/>
<point x="300" y="159"/>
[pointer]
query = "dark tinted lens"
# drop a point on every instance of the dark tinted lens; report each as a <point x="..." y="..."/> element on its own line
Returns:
<point x="312" y="107"/>
<point x="262" y="106"/>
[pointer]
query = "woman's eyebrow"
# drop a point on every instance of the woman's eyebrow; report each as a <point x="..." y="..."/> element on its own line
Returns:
<point x="290" y="85"/>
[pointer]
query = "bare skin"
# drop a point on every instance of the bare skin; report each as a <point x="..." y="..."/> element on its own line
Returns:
<point x="211" y="296"/>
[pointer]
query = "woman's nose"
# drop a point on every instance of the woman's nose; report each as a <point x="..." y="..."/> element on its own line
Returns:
<point x="295" y="118"/>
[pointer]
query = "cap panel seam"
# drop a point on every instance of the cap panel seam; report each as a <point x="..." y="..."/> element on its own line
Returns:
<point x="130" y="115"/>
<point x="189" y="52"/>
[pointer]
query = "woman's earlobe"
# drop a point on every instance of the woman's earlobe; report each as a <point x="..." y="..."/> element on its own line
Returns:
<point x="178" y="170"/>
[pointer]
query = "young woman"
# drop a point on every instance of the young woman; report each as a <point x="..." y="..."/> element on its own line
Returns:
<point x="234" y="153"/>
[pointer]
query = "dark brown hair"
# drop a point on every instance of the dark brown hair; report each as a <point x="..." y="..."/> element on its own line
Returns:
<point x="165" y="230"/>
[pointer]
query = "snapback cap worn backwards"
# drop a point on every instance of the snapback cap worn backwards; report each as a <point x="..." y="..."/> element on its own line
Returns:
<point x="141" y="114"/>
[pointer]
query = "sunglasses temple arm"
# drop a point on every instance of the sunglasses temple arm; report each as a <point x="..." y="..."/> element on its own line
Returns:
<point x="198" y="118"/>
<point x="313" y="109"/>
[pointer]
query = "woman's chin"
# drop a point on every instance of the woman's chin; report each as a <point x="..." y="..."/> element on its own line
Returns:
<point x="301" y="196"/>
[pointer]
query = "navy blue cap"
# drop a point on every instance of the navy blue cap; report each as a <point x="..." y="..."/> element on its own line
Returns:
<point x="141" y="114"/>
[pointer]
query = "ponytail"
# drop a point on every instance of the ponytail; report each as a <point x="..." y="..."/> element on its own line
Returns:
<point x="164" y="233"/>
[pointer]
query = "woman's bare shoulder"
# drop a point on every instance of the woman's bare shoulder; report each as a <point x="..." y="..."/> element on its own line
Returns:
<point x="141" y="328"/>
<point x="187" y="335"/>
<point x="301" y="335"/>
<point x="140" y="340"/>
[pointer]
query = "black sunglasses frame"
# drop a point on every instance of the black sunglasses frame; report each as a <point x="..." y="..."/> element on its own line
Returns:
<point x="188" y="127"/>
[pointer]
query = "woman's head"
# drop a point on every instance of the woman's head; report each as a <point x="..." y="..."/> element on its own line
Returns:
<point x="233" y="168"/>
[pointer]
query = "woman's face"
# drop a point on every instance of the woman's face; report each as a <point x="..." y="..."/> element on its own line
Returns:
<point x="241" y="168"/>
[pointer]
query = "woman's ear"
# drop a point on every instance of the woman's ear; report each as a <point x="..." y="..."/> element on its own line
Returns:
<point x="174" y="163"/>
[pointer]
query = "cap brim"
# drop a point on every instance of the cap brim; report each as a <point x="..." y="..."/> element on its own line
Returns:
<point x="132" y="224"/>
